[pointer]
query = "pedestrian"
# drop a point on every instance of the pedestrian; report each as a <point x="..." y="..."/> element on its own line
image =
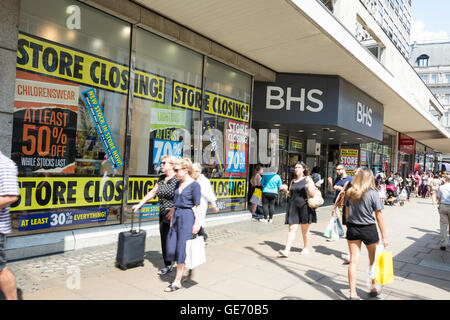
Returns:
<point x="381" y="187"/>
<point x="443" y="199"/>
<point x="409" y="184"/>
<point x="339" y="205"/>
<point x="185" y="219"/>
<point x="165" y="191"/>
<point x="255" y="181"/>
<point x="317" y="178"/>
<point x="338" y="185"/>
<point x="363" y="199"/>
<point x="434" y="184"/>
<point x="271" y="183"/>
<point x="398" y="182"/>
<point x="298" y="211"/>
<point x="416" y="183"/>
<point x="208" y="196"/>
<point x="424" y="185"/>
<point x="9" y="193"/>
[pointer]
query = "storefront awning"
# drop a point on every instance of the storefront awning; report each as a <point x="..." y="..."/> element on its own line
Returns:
<point x="303" y="37"/>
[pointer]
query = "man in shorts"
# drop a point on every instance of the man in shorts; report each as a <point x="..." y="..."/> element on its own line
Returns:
<point x="9" y="193"/>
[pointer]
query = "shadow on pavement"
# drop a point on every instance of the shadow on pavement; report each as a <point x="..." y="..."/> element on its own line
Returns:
<point x="277" y="246"/>
<point x="423" y="262"/>
<point x="312" y="278"/>
<point x="328" y="251"/>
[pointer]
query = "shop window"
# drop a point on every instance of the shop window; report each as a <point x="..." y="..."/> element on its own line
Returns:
<point x="166" y="108"/>
<point x="226" y="132"/>
<point x="69" y="116"/>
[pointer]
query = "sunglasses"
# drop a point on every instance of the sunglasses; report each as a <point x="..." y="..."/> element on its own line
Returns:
<point x="163" y="163"/>
<point x="178" y="169"/>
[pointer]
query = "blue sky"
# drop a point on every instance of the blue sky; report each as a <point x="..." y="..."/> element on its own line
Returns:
<point x="430" y="20"/>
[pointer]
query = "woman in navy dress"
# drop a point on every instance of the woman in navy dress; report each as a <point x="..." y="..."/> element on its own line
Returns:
<point x="185" y="221"/>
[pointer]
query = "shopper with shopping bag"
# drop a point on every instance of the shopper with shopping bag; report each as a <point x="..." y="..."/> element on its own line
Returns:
<point x="362" y="200"/>
<point x="185" y="218"/>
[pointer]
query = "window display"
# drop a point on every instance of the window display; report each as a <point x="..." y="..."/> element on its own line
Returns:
<point x="69" y="118"/>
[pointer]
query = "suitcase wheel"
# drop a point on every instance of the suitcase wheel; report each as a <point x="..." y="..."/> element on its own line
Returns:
<point x="121" y="266"/>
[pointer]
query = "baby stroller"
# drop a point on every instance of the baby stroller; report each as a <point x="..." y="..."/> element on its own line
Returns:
<point x="392" y="196"/>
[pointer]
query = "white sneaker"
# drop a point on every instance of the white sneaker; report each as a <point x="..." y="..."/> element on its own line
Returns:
<point x="263" y="220"/>
<point x="270" y="221"/>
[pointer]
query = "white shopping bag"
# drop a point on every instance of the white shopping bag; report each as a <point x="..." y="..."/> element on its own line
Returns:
<point x="195" y="253"/>
<point x="329" y="230"/>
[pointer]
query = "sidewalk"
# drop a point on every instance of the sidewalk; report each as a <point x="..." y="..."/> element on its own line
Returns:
<point x="242" y="263"/>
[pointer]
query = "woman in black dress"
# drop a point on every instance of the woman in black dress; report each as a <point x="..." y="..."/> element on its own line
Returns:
<point x="298" y="211"/>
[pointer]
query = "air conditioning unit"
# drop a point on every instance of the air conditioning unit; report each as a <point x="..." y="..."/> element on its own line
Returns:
<point x="312" y="147"/>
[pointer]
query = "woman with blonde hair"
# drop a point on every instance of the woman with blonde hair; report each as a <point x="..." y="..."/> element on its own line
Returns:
<point x="362" y="200"/>
<point x="165" y="191"/>
<point x="185" y="220"/>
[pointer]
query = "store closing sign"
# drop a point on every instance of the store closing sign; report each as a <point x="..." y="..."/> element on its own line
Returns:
<point x="45" y="193"/>
<point x="236" y="147"/>
<point x="42" y="193"/>
<point x="349" y="158"/>
<point x="41" y="56"/>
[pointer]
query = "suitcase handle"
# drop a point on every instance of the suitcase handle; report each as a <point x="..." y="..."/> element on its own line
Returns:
<point x="132" y="222"/>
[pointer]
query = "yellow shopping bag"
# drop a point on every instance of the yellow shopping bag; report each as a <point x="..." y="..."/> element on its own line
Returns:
<point x="258" y="193"/>
<point x="384" y="272"/>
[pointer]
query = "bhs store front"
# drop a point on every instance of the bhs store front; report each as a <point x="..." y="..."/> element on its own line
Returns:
<point x="321" y="120"/>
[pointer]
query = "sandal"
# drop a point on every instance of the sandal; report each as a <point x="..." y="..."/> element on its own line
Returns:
<point x="165" y="270"/>
<point x="172" y="288"/>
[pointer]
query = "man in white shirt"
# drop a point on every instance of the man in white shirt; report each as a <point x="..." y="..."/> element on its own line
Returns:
<point x="443" y="199"/>
<point x="9" y="193"/>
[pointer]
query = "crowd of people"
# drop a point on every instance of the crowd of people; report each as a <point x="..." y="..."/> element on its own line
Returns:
<point x="419" y="184"/>
<point x="358" y="201"/>
<point x="184" y="193"/>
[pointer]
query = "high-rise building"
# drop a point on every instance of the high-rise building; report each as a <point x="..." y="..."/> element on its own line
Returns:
<point x="393" y="16"/>
<point x="432" y="62"/>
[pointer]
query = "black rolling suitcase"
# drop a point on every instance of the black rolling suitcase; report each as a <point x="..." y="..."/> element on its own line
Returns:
<point x="131" y="247"/>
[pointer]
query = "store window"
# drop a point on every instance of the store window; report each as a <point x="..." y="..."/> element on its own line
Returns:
<point x="166" y="108"/>
<point x="69" y="116"/>
<point x="226" y="130"/>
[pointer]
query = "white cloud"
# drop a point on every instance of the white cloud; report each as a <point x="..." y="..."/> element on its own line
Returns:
<point x="420" y="34"/>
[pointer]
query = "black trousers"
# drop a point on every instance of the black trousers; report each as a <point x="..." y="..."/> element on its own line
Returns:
<point x="268" y="200"/>
<point x="164" y="228"/>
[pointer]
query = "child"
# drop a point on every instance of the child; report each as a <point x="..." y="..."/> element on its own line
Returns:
<point x="381" y="187"/>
